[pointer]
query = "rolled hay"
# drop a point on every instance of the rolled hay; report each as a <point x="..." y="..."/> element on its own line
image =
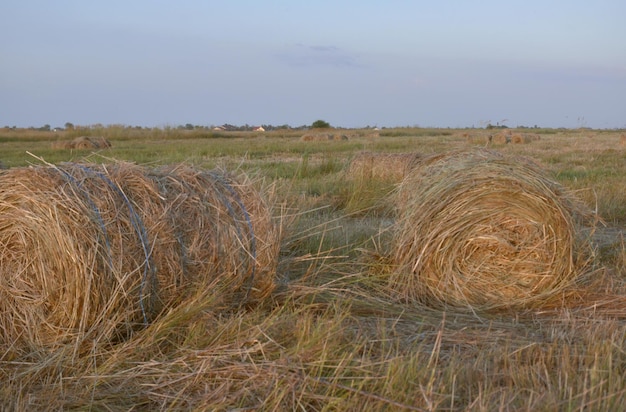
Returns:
<point x="501" y="138"/>
<point x="478" y="229"/>
<point x="322" y="137"/>
<point x="83" y="143"/>
<point x="382" y="166"/>
<point x="524" y="138"/>
<point x="92" y="253"/>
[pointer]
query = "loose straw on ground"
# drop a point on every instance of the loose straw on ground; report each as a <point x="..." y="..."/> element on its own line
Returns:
<point x="478" y="229"/>
<point x="92" y="252"/>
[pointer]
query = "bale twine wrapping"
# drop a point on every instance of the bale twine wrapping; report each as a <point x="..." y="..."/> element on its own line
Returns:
<point x="91" y="253"/>
<point x="479" y="229"/>
<point x="382" y="166"/>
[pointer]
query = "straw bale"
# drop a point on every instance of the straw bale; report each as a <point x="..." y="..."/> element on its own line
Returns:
<point x="478" y="229"/>
<point x="524" y="138"/>
<point x="83" y="143"/>
<point x="92" y="252"/>
<point x="503" y="137"/>
<point x="323" y="137"/>
<point x="366" y="166"/>
<point x="477" y="138"/>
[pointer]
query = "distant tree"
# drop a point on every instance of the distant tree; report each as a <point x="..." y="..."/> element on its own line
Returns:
<point x="69" y="126"/>
<point x="320" y="124"/>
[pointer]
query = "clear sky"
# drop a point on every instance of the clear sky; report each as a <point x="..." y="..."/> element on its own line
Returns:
<point x="353" y="63"/>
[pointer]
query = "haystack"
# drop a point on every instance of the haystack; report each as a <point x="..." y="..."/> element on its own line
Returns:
<point x="84" y="143"/>
<point x="322" y="137"/>
<point x="91" y="252"/>
<point x="382" y="166"/>
<point x="478" y="229"/>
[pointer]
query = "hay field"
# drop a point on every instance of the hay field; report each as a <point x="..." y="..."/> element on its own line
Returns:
<point x="516" y="250"/>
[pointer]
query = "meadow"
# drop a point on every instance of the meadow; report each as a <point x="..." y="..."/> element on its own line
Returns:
<point x="334" y="335"/>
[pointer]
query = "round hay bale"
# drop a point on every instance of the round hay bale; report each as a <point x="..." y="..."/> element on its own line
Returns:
<point x="502" y="137"/>
<point x="99" y="142"/>
<point x="319" y="137"/>
<point x="91" y="253"/>
<point x="479" y="229"/>
<point x="366" y="166"/>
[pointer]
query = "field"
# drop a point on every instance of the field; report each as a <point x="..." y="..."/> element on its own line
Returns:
<point x="335" y="334"/>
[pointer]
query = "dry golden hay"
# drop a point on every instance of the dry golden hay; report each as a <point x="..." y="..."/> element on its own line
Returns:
<point x="524" y="138"/>
<point x="503" y="137"/>
<point x="622" y="140"/>
<point x="366" y="166"/>
<point x="91" y="253"/>
<point x="477" y="138"/>
<point x="83" y="143"/>
<point x="323" y="137"/>
<point x="478" y="229"/>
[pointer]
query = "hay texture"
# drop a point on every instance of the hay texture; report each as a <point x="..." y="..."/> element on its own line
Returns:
<point x="507" y="136"/>
<point x="91" y="253"/>
<point x="382" y="166"/>
<point x="478" y="229"/>
<point x="84" y="143"/>
<point x="323" y="137"/>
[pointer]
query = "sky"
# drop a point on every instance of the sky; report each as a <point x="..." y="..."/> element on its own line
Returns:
<point x="394" y="63"/>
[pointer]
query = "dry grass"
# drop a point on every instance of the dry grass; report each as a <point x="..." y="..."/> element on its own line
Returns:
<point x="483" y="230"/>
<point x="381" y="166"/>
<point x="93" y="253"/>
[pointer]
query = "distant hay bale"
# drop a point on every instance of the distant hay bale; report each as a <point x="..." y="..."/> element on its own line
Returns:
<point x="476" y="138"/>
<point x="83" y="143"/>
<point x="507" y="136"/>
<point x="524" y="138"/>
<point x="479" y="229"/>
<point x="502" y="137"/>
<point x="323" y="137"/>
<point x="381" y="166"/>
<point x="91" y="253"/>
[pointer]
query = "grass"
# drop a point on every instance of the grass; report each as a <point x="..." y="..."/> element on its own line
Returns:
<point x="334" y="336"/>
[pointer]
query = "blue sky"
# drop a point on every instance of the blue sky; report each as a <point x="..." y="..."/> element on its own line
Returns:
<point x="447" y="63"/>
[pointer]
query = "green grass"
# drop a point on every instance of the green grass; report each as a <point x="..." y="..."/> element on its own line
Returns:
<point x="335" y="337"/>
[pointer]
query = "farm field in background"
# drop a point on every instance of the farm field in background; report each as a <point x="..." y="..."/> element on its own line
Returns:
<point x="334" y="336"/>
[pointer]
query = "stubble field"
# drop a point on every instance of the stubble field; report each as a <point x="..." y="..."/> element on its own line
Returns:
<point x="338" y="332"/>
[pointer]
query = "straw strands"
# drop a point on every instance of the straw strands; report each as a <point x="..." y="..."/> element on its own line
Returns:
<point x="478" y="229"/>
<point x="92" y="252"/>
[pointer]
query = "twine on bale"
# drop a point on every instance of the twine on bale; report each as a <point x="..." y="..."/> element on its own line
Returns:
<point x="478" y="229"/>
<point x="93" y="252"/>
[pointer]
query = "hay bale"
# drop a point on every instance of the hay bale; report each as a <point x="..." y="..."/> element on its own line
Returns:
<point x="83" y="143"/>
<point x="524" y="138"/>
<point x="479" y="229"/>
<point x="503" y="137"/>
<point x="366" y="166"/>
<point x="323" y="137"/>
<point x="477" y="138"/>
<point x="91" y="253"/>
